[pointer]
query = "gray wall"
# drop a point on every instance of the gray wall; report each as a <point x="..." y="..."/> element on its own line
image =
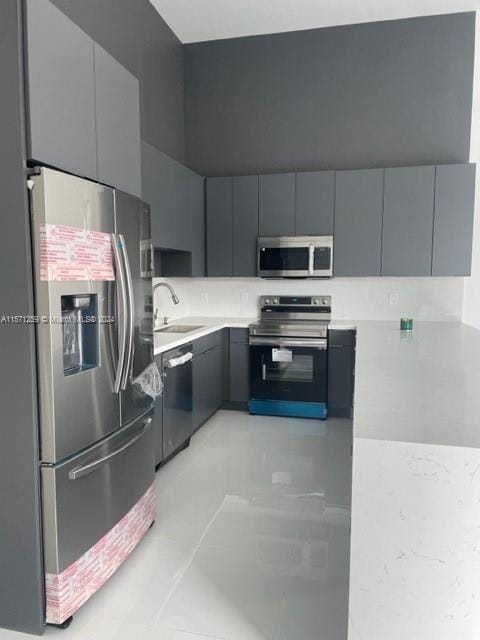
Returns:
<point x="21" y="577"/>
<point x="133" y="32"/>
<point x="358" y="96"/>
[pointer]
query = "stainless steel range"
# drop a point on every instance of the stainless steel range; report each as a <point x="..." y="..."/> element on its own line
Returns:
<point x="288" y="356"/>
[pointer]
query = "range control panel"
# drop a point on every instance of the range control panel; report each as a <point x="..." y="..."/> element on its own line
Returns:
<point x="296" y="301"/>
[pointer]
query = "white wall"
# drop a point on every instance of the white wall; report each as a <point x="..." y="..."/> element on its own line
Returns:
<point x="361" y="298"/>
<point x="471" y="301"/>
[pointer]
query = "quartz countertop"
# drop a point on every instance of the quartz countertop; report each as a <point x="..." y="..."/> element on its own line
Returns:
<point x="164" y="341"/>
<point x="421" y="386"/>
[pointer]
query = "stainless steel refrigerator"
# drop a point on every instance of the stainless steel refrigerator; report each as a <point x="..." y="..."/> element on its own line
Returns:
<point x="93" y="292"/>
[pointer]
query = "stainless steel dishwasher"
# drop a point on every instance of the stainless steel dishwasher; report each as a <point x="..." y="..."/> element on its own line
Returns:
<point x="177" y="399"/>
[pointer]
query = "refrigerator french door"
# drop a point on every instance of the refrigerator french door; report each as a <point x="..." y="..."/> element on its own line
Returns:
<point x="92" y="257"/>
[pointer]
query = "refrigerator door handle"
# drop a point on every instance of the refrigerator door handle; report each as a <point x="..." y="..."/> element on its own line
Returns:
<point x="131" y="313"/>
<point x="122" y="312"/>
<point x="74" y="474"/>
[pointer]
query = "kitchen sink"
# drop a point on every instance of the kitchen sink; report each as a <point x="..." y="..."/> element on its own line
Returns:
<point x="179" y="328"/>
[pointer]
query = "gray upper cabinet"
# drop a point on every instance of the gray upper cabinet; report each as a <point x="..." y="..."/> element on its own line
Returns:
<point x="60" y="91"/>
<point x="177" y="202"/>
<point x="183" y="222"/>
<point x="245" y="225"/>
<point x="118" y="124"/>
<point x="158" y="180"/>
<point x="408" y="221"/>
<point x="277" y="204"/>
<point x="196" y="205"/>
<point x="358" y="223"/>
<point x="219" y="226"/>
<point x="453" y="222"/>
<point x="314" y="203"/>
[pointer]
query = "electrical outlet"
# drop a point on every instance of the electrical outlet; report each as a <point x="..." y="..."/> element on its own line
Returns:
<point x="393" y="299"/>
<point x="204" y="297"/>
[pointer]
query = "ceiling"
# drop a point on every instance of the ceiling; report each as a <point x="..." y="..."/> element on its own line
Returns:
<point x="199" y="20"/>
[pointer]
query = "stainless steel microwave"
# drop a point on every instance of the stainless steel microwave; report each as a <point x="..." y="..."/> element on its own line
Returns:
<point x="295" y="257"/>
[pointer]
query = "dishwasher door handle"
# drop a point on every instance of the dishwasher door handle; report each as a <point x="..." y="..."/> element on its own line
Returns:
<point x="177" y="362"/>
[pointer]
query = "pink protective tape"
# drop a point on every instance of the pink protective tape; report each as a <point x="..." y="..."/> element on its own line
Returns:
<point x="70" y="253"/>
<point x="66" y="592"/>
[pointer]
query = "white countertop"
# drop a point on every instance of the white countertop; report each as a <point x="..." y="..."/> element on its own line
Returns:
<point x="422" y="386"/>
<point x="164" y="341"/>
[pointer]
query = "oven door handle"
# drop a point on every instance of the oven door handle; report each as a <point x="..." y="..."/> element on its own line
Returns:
<point x="320" y="343"/>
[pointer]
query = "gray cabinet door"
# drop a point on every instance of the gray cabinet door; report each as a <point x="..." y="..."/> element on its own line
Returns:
<point x="408" y="221"/>
<point x="183" y="223"/>
<point x="207" y="385"/>
<point x="358" y="223"/>
<point x="196" y="196"/>
<point x="245" y="225"/>
<point x="61" y="91"/>
<point x="277" y="204"/>
<point x="314" y="203"/>
<point x="239" y="372"/>
<point x="341" y="372"/>
<point x="453" y="222"/>
<point x="158" y="189"/>
<point x="219" y="227"/>
<point x="117" y="101"/>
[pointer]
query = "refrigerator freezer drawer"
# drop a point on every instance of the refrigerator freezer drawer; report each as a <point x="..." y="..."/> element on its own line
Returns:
<point x="84" y="497"/>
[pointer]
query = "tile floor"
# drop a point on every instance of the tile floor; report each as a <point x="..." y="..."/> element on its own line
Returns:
<point x="251" y="541"/>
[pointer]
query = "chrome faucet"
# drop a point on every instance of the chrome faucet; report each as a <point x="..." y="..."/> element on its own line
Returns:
<point x="175" y="298"/>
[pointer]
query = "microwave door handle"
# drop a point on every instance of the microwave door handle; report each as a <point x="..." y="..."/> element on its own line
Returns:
<point x="311" y="259"/>
<point x="151" y="267"/>
<point x="122" y="312"/>
<point x="131" y="313"/>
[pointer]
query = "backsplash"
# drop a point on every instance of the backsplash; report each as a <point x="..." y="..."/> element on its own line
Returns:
<point x="360" y="299"/>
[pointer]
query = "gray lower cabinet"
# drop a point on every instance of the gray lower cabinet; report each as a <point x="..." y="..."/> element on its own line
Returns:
<point x="117" y="100"/>
<point x="341" y="372"/>
<point x="408" y="221"/>
<point x="277" y="204"/>
<point x="158" y="421"/>
<point x="239" y="366"/>
<point x="453" y="221"/>
<point x="314" y="211"/>
<point x="60" y="88"/>
<point x="219" y="226"/>
<point x="358" y="223"/>
<point x="207" y="378"/>
<point x="245" y="225"/>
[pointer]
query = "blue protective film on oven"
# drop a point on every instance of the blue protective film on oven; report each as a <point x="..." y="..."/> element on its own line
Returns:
<point x="316" y="410"/>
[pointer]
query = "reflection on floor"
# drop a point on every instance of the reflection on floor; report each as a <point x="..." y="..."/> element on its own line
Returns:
<point x="251" y="540"/>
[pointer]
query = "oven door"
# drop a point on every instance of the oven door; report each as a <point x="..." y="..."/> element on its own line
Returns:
<point x="290" y="369"/>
